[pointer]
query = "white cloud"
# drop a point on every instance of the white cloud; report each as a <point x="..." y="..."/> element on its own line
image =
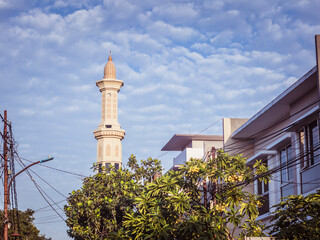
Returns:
<point x="176" y="12"/>
<point x="27" y="112"/>
<point x="39" y="20"/>
<point x="163" y="29"/>
<point x="4" y="4"/>
<point x="222" y="38"/>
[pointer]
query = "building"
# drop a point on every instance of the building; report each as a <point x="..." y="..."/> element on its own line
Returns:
<point x="109" y="133"/>
<point x="191" y="146"/>
<point x="285" y="136"/>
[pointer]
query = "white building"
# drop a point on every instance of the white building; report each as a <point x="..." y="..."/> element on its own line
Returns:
<point x="285" y="136"/>
<point x="191" y="146"/>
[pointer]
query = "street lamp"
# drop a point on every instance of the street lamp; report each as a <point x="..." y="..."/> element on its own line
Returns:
<point x="32" y="164"/>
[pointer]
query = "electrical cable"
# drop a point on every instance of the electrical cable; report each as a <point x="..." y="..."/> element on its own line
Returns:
<point x="277" y="123"/>
<point x="48" y="183"/>
<point x="60" y="170"/>
<point x="193" y="136"/>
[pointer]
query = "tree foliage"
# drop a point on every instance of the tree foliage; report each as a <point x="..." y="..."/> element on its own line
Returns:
<point x="131" y="204"/>
<point x="27" y="229"/>
<point x="297" y="217"/>
<point x="97" y="210"/>
<point x="173" y="206"/>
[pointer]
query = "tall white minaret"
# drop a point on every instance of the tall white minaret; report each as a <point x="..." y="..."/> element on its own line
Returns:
<point x="109" y="133"/>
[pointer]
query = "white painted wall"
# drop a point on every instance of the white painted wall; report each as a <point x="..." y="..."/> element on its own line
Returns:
<point x="188" y="153"/>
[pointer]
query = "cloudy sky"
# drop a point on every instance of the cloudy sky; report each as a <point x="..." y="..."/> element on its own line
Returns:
<point x="185" y="64"/>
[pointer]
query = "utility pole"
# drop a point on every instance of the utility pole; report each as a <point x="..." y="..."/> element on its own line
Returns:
<point x="7" y="183"/>
<point x="5" y="171"/>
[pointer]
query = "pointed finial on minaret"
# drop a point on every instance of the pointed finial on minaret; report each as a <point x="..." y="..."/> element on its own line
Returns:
<point x="110" y="58"/>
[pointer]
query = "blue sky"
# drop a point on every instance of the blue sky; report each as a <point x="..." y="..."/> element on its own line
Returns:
<point x="185" y="64"/>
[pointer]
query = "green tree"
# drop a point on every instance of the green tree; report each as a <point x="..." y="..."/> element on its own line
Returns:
<point x="297" y="217"/>
<point x="173" y="206"/>
<point x="27" y="229"/>
<point x="131" y="204"/>
<point x="97" y="210"/>
<point x="146" y="170"/>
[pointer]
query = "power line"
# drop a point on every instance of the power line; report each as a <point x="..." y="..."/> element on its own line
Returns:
<point x="48" y="184"/>
<point x="41" y="209"/>
<point x="250" y="140"/>
<point x="193" y="136"/>
<point x="56" y="169"/>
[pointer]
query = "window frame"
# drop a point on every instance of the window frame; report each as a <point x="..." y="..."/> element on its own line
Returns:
<point x="264" y="187"/>
<point x="288" y="160"/>
<point x="309" y="162"/>
<point x="306" y="146"/>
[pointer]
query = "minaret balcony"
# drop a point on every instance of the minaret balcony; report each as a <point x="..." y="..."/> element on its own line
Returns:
<point x="112" y="133"/>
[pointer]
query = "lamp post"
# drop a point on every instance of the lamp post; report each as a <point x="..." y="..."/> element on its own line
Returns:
<point x="7" y="191"/>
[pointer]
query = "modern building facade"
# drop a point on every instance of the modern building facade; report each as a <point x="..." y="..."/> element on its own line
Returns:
<point x="285" y="136"/>
<point x="191" y="146"/>
<point x="109" y="133"/>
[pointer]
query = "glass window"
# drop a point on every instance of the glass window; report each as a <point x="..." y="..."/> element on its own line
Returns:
<point x="309" y="145"/>
<point x="263" y="190"/>
<point x="100" y="167"/>
<point x="314" y="142"/>
<point x="302" y="143"/>
<point x="286" y="164"/>
<point x="286" y="161"/>
<point x="310" y="156"/>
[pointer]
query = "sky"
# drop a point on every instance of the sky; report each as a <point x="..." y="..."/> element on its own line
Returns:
<point x="185" y="66"/>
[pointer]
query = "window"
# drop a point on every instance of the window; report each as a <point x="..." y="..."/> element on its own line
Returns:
<point x="286" y="158"/>
<point x="309" y="145"/>
<point x="108" y="150"/>
<point x="263" y="190"/>
<point x="100" y="167"/>
<point x="116" y="166"/>
<point x="116" y="151"/>
<point x="309" y="156"/>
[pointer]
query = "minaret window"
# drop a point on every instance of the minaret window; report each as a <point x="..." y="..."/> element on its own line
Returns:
<point x="109" y="105"/>
<point x="100" y="152"/>
<point x="116" y="166"/>
<point x="108" y="150"/>
<point x="117" y="151"/>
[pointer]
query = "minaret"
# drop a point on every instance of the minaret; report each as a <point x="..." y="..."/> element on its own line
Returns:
<point x="109" y="133"/>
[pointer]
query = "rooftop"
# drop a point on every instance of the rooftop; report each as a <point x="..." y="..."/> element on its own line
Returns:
<point x="179" y="141"/>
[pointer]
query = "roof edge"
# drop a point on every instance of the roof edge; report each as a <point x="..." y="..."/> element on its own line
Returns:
<point x="274" y="101"/>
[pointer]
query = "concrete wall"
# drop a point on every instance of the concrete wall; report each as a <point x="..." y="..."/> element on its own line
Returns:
<point x="188" y="153"/>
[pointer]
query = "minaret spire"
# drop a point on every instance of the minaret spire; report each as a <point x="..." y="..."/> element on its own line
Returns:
<point x="109" y="133"/>
<point x="110" y="58"/>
